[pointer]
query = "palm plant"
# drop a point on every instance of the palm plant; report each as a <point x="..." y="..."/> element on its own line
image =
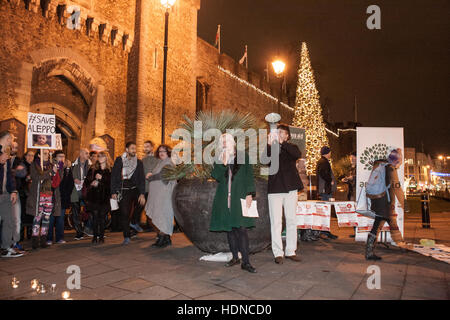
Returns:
<point x="222" y="121"/>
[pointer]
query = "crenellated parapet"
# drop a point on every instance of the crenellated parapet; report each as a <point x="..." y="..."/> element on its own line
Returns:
<point x="79" y="16"/>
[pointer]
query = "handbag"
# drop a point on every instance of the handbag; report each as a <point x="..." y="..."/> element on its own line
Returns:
<point x="366" y="212"/>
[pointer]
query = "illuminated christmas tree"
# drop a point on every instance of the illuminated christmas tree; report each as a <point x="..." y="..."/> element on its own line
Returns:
<point x="308" y="112"/>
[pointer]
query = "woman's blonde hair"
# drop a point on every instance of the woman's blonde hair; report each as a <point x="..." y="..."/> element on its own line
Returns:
<point x="108" y="163"/>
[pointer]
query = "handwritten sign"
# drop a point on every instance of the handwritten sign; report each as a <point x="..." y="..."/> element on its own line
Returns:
<point x="41" y="131"/>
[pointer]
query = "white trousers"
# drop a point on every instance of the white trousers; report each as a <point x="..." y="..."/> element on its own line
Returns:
<point x="276" y="203"/>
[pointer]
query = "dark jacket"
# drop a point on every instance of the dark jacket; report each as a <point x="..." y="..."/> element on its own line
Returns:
<point x="137" y="179"/>
<point x="325" y="176"/>
<point x="102" y="193"/>
<point x="10" y="180"/>
<point x="66" y="187"/>
<point x="287" y="178"/>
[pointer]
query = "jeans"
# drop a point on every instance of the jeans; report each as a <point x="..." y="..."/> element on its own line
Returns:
<point x="17" y="211"/>
<point x="76" y="215"/>
<point x="325" y="196"/>
<point x="6" y="221"/>
<point x="58" y="224"/>
<point x="276" y="203"/>
<point x="137" y="213"/>
<point x="238" y="242"/>
<point x="128" y="202"/>
<point x="99" y="212"/>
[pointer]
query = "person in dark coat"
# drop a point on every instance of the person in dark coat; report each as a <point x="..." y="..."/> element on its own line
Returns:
<point x="326" y="182"/>
<point x="44" y="199"/>
<point x="282" y="191"/>
<point x="65" y="191"/>
<point x="236" y="182"/>
<point x="128" y="181"/>
<point x="98" y="184"/>
<point x="24" y="191"/>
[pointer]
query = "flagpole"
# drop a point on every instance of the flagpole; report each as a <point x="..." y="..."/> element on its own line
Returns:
<point x="220" y="35"/>
<point x="246" y="57"/>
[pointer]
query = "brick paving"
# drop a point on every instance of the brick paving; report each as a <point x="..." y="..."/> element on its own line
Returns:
<point x="329" y="270"/>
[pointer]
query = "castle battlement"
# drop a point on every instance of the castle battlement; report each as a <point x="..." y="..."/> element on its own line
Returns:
<point x="90" y="22"/>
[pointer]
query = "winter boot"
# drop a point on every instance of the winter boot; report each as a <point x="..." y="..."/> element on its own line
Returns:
<point x="34" y="242"/>
<point x="370" y="245"/>
<point x="165" y="241"/>
<point x="159" y="239"/>
<point x="43" y="241"/>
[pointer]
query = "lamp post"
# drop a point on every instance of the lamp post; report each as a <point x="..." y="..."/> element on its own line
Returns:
<point x="166" y="4"/>
<point x="278" y="68"/>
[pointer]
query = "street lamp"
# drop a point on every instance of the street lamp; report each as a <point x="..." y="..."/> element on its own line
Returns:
<point x="166" y="4"/>
<point x="278" y="68"/>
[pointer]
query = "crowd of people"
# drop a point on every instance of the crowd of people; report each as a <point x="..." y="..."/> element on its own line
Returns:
<point x="38" y="190"/>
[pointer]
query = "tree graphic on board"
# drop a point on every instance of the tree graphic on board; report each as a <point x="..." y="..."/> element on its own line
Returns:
<point x="308" y="112"/>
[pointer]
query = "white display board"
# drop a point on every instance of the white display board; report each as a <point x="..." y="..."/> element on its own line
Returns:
<point x="313" y="215"/>
<point x="372" y="144"/>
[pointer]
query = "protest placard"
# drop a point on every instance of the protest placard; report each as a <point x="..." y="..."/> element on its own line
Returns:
<point x="41" y="129"/>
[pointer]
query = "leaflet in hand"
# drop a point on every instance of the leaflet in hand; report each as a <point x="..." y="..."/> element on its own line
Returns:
<point x="251" y="212"/>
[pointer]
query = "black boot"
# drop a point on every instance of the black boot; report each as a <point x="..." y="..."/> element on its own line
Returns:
<point x="34" y="242"/>
<point x="165" y="241"/>
<point x="43" y="241"/>
<point x="159" y="239"/>
<point x="248" y="267"/>
<point x="370" y="245"/>
<point x="94" y="240"/>
<point x="101" y="239"/>
<point x="233" y="262"/>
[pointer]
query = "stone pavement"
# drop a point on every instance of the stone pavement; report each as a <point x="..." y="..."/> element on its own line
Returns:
<point x="329" y="270"/>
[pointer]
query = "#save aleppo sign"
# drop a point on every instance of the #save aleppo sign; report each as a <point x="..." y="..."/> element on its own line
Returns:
<point x="41" y="130"/>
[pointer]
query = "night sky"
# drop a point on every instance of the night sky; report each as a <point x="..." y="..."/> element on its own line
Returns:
<point x="399" y="74"/>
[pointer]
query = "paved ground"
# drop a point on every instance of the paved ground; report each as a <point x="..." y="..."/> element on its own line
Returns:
<point x="329" y="270"/>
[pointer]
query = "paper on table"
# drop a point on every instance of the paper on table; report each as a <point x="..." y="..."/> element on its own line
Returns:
<point x="251" y="212"/>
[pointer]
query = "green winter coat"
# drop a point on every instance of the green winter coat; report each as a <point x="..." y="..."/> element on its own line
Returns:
<point x="222" y="218"/>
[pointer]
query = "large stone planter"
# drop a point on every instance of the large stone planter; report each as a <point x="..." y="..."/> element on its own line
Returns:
<point x="193" y="200"/>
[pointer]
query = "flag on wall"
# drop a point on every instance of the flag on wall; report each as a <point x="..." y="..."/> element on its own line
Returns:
<point x="217" y="43"/>
<point x="244" y="58"/>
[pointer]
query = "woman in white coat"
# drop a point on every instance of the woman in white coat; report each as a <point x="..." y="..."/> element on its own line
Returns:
<point x="159" y="206"/>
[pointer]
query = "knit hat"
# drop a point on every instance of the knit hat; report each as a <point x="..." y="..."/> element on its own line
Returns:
<point x="325" y="150"/>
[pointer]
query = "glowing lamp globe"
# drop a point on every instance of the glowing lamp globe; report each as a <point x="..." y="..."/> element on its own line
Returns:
<point x="278" y="67"/>
<point x="167" y="3"/>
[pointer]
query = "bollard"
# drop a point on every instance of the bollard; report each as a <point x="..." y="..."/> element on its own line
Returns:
<point x="425" y="201"/>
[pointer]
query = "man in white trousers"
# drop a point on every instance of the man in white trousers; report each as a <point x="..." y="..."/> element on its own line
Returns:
<point x="282" y="192"/>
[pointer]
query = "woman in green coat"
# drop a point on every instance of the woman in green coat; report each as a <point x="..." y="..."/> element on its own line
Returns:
<point x="236" y="182"/>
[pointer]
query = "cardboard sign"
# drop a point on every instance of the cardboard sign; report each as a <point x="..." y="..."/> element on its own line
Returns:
<point x="41" y="129"/>
<point x="313" y="215"/>
<point x="346" y="213"/>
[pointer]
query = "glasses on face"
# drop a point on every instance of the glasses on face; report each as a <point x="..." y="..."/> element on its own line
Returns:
<point x="162" y="151"/>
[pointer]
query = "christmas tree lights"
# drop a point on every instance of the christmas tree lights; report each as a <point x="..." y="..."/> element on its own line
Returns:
<point x="308" y="112"/>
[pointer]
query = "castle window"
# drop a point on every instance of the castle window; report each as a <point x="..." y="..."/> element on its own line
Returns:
<point x="60" y="12"/>
<point x="124" y="41"/>
<point x="202" y="93"/>
<point x="113" y="35"/>
<point x="27" y="4"/>
<point x="89" y="25"/>
<point x="101" y="30"/>
<point x="44" y="7"/>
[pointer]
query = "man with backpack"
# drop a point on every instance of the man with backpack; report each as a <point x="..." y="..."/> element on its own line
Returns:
<point x="381" y="189"/>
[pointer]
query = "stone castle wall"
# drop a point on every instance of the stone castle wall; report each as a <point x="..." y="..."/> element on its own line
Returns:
<point x="233" y="87"/>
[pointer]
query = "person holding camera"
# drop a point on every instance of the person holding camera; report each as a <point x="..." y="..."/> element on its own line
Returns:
<point x="128" y="185"/>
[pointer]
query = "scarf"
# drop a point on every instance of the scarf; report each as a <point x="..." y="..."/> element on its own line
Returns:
<point x="129" y="166"/>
